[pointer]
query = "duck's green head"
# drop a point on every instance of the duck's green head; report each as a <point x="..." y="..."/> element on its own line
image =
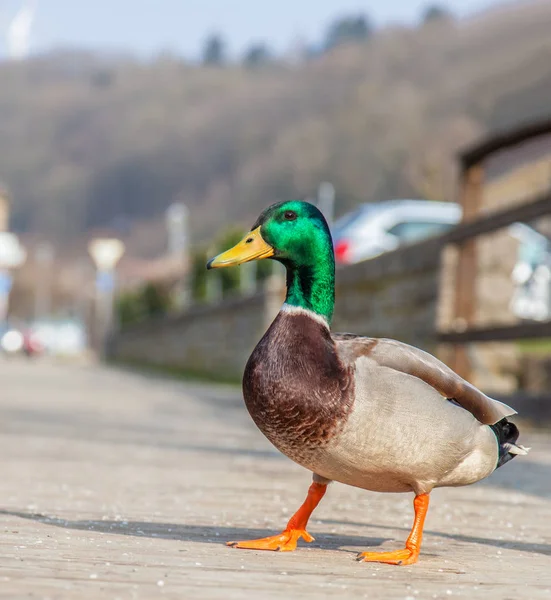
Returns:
<point x="292" y="232"/>
<point x="296" y="234"/>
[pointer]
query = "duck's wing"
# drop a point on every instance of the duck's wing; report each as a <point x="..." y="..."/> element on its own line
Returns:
<point x="417" y="363"/>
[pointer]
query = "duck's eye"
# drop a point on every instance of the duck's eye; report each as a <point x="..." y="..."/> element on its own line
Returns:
<point x="290" y="215"/>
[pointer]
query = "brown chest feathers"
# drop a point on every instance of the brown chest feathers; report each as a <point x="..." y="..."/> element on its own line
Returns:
<point x="296" y="389"/>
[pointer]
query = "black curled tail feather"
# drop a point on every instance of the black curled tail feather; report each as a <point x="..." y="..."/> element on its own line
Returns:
<point x="507" y="435"/>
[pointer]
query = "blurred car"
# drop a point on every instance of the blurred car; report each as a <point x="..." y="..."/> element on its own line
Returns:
<point x="380" y="227"/>
<point x="61" y="337"/>
<point x="18" y="338"/>
<point x="31" y="345"/>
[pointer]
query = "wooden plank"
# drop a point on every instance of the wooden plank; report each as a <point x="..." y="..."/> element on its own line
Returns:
<point x="465" y="280"/>
<point x="506" y="139"/>
<point x="464" y="235"/>
<point x="523" y="331"/>
<point x="534" y="209"/>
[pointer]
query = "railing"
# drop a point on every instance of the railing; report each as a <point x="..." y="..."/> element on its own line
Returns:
<point x="463" y="330"/>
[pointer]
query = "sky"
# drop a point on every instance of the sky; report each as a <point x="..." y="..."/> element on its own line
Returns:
<point x="147" y="27"/>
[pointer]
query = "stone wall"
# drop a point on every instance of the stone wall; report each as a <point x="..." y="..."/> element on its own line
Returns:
<point x="212" y="341"/>
<point x="394" y="295"/>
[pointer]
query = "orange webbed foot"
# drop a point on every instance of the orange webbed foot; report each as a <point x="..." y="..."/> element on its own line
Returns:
<point x="296" y="527"/>
<point x="397" y="557"/>
<point x="284" y="542"/>
<point x="409" y="554"/>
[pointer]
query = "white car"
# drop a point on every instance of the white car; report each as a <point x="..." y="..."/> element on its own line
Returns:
<point x="65" y="337"/>
<point x="373" y="229"/>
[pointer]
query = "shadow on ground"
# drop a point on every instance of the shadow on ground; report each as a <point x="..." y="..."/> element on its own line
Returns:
<point x="219" y="535"/>
<point x="189" y="533"/>
<point x="544" y="549"/>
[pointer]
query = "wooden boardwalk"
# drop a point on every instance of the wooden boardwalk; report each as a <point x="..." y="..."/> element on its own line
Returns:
<point x="116" y="485"/>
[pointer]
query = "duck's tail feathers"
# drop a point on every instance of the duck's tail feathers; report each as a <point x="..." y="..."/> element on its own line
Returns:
<point x="514" y="449"/>
<point x="507" y="435"/>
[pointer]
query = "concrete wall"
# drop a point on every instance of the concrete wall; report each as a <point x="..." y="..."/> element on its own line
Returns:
<point x="394" y="295"/>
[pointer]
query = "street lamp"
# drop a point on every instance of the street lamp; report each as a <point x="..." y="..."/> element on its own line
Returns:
<point x="106" y="253"/>
<point x="177" y="218"/>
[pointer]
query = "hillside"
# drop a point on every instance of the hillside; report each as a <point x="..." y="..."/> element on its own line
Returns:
<point x="92" y="141"/>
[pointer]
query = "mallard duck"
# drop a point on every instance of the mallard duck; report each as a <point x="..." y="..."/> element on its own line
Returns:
<point x="372" y="413"/>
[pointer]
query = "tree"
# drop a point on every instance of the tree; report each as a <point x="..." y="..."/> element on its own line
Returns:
<point x="214" y="50"/>
<point x="129" y="309"/>
<point x="147" y="302"/>
<point x="347" y="30"/>
<point x="155" y="300"/>
<point x="434" y="13"/>
<point x="230" y="278"/>
<point x="257" y="55"/>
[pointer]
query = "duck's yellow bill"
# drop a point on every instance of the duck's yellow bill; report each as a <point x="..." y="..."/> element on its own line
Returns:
<point x="251" y="247"/>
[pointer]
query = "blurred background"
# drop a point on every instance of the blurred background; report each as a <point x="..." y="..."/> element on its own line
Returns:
<point x="139" y="138"/>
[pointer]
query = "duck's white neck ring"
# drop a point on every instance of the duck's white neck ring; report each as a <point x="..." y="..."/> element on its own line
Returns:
<point x="299" y="310"/>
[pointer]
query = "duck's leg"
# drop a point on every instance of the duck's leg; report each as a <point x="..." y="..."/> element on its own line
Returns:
<point x="410" y="553"/>
<point x="296" y="527"/>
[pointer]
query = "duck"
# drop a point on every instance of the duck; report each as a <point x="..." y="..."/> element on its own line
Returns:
<point x="371" y="413"/>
